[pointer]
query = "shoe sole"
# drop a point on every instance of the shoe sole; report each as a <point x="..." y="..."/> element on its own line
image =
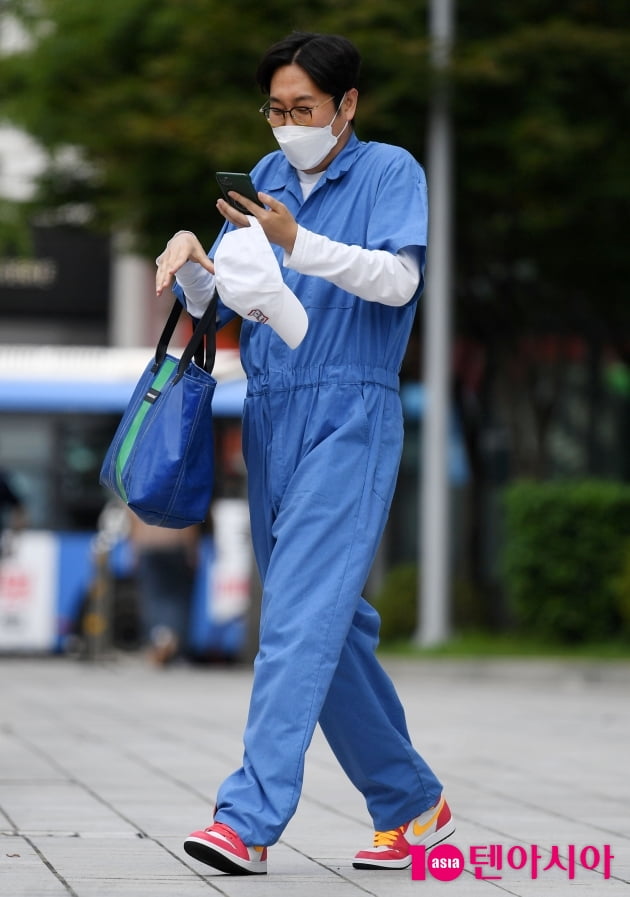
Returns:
<point x="393" y="864"/>
<point x="212" y="856"/>
<point x="441" y="835"/>
<point x="436" y="838"/>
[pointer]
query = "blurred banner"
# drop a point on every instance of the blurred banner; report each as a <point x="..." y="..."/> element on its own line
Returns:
<point x="230" y="586"/>
<point x="28" y="577"/>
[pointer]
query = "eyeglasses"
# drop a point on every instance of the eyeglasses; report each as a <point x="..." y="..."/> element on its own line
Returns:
<point x="300" y="115"/>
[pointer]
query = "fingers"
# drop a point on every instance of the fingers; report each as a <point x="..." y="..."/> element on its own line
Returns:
<point x="240" y="219"/>
<point x="163" y="276"/>
<point x="181" y="248"/>
<point x="279" y="225"/>
<point x="274" y="204"/>
<point x="277" y="221"/>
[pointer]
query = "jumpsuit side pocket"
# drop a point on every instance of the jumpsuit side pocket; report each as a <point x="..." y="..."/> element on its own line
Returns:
<point x="384" y="412"/>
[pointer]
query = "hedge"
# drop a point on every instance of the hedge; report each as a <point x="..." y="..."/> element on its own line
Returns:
<point x="566" y="559"/>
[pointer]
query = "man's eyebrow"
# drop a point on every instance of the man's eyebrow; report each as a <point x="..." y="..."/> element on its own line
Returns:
<point x="296" y="100"/>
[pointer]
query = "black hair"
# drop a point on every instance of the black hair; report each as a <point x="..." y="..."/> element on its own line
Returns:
<point x="331" y="62"/>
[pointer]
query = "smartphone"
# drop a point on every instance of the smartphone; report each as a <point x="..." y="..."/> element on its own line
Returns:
<point x="241" y="183"/>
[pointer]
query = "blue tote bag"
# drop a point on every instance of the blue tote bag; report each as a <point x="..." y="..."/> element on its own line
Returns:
<point x="161" y="459"/>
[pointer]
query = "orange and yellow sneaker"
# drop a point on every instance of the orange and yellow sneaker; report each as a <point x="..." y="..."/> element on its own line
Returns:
<point x="391" y="849"/>
<point x="220" y="847"/>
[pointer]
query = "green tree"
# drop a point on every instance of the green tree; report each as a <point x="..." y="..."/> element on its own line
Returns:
<point x="544" y="112"/>
<point x="543" y="125"/>
<point x="542" y="122"/>
<point x="158" y="95"/>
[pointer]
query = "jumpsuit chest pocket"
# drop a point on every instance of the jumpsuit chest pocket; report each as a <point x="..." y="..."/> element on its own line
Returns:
<point x="313" y="292"/>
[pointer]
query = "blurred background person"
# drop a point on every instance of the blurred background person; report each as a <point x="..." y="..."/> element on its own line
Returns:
<point x="166" y="562"/>
<point x="12" y="512"/>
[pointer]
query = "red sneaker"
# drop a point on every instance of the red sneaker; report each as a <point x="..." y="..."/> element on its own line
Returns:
<point x="391" y="849"/>
<point x="220" y="847"/>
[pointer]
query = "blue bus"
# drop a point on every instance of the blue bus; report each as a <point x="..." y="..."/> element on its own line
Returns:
<point x="59" y="408"/>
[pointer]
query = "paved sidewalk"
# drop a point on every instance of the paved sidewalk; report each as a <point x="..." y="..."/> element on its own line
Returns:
<point x="105" y="767"/>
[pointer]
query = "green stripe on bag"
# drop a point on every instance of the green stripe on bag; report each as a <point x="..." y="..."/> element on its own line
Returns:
<point x="168" y="365"/>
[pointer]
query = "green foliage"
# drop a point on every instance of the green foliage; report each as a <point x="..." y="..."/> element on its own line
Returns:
<point x="543" y="107"/>
<point x="15" y="236"/>
<point x="159" y="95"/>
<point x="396" y="603"/>
<point x="482" y="644"/>
<point x="621" y="589"/>
<point x="565" y="548"/>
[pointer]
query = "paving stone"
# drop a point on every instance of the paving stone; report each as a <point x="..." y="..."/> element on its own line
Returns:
<point x="105" y="767"/>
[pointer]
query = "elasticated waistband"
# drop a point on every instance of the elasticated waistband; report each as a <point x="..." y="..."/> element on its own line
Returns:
<point x="300" y="378"/>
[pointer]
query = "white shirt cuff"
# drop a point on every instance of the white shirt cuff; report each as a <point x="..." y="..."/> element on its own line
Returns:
<point x="198" y="287"/>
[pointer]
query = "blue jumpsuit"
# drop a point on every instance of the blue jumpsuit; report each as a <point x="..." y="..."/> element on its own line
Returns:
<point x="322" y="442"/>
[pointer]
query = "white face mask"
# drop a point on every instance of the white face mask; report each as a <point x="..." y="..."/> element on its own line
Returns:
<point x="306" y="147"/>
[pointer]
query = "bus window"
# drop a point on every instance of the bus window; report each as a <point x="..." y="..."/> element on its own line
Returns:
<point x="26" y="449"/>
<point x="55" y="460"/>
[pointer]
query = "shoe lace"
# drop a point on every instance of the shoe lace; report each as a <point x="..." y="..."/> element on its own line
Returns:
<point x="224" y="830"/>
<point x="229" y="833"/>
<point x="387" y="839"/>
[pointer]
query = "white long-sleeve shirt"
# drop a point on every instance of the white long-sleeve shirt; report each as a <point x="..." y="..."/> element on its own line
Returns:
<point x="372" y="274"/>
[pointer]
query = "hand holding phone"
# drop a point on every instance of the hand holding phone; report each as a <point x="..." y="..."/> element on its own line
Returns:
<point x="240" y="183"/>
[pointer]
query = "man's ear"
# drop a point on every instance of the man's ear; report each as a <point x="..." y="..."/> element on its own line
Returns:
<point x="349" y="105"/>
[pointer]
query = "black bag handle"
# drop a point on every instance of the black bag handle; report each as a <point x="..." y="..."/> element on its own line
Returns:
<point x="202" y="345"/>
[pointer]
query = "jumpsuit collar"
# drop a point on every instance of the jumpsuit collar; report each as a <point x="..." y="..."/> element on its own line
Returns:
<point x="286" y="175"/>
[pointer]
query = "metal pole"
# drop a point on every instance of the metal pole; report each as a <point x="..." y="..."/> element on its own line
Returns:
<point x="434" y="500"/>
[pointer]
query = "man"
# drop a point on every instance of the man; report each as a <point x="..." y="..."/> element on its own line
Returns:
<point x="12" y="511"/>
<point x="342" y="239"/>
